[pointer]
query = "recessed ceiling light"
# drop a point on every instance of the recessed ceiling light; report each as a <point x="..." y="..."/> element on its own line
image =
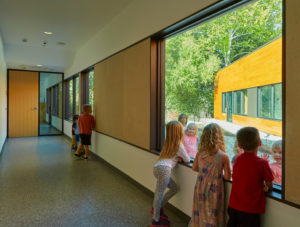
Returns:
<point x="48" y="33"/>
<point x="61" y="43"/>
<point x="39" y="65"/>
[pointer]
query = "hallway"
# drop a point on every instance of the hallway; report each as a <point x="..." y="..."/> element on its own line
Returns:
<point x="42" y="184"/>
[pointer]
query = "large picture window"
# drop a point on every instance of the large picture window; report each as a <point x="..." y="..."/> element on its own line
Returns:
<point x="71" y="97"/>
<point x="87" y="87"/>
<point x="211" y="74"/>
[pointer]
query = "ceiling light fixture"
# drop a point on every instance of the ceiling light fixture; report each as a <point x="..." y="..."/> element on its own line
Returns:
<point x="48" y="33"/>
<point x="39" y="65"/>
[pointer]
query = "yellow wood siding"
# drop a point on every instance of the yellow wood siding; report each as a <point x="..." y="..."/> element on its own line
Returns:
<point x="261" y="67"/>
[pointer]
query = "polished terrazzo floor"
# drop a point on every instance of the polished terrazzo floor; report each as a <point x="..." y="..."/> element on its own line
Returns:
<point x="42" y="184"/>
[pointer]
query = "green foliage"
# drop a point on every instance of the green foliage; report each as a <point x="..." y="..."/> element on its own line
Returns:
<point x="193" y="57"/>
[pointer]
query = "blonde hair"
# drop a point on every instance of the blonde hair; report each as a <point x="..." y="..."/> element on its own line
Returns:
<point x="212" y="139"/>
<point x="173" y="139"/>
<point x="192" y="124"/>
<point x="277" y="144"/>
<point x="86" y="107"/>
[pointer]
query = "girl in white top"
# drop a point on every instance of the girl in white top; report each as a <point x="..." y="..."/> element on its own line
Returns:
<point x="172" y="151"/>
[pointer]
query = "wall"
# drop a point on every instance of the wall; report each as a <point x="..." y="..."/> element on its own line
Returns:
<point x="56" y="122"/>
<point x="292" y="143"/>
<point x="3" y="96"/>
<point x="137" y="163"/>
<point x="137" y="21"/>
<point x="256" y="69"/>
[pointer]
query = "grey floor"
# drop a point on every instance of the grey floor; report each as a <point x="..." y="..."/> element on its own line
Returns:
<point x="42" y="184"/>
<point x="46" y="129"/>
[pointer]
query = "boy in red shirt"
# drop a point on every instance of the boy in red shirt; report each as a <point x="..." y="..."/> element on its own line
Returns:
<point x="251" y="178"/>
<point x="86" y="123"/>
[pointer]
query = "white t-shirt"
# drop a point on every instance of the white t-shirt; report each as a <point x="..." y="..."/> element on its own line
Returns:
<point x="171" y="162"/>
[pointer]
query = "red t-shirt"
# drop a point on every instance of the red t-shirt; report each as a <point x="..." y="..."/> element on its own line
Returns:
<point x="247" y="193"/>
<point x="85" y="124"/>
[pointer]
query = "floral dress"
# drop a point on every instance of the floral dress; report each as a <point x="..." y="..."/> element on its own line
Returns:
<point x="208" y="206"/>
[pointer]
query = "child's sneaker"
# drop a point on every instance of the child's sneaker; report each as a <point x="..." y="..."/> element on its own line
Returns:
<point x="85" y="157"/>
<point x="163" y="216"/>
<point x="160" y="223"/>
<point x="77" y="155"/>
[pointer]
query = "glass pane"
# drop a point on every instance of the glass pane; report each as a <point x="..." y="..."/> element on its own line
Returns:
<point x="50" y="103"/>
<point x="203" y="62"/>
<point x="70" y="99"/>
<point x="245" y="102"/>
<point x="91" y="88"/>
<point x="60" y="100"/>
<point x="278" y="101"/>
<point x="77" y="108"/>
<point x="265" y="102"/>
<point x="223" y="102"/>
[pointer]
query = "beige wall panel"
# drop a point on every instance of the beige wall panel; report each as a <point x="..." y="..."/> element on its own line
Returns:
<point x="122" y="95"/>
<point x="292" y="154"/>
<point x="23" y="98"/>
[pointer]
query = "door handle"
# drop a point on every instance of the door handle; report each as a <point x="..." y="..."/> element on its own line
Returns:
<point x="34" y="108"/>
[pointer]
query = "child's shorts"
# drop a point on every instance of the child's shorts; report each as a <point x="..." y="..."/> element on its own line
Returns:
<point x="85" y="139"/>
<point x="77" y="138"/>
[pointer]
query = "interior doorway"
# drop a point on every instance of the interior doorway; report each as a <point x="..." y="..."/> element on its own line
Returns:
<point x="50" y="111"/>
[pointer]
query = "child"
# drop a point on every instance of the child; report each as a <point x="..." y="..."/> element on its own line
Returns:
<point x="276" y="166"/>
<point x="210" y="162"/>
<point x="75" y="132"/>
<point x="182" y="118"/>
<point x="173" y="150"/>
<point x="86" y="123"/>
<point x="190" y="140"/>
<point x="251" y="177"/>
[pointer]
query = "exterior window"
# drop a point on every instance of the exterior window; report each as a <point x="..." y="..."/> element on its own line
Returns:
<point x="77" y="107"/>
<point x="240" y="102"/>
<point x="72" y="97"/>
<point x="224" y="102"/>
<point x="87" y="88"/>
<point x="270" y="101"/>
<point x="91" y="88"/>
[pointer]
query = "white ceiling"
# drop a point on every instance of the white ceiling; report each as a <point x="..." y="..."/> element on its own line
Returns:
<point x="71" y="21"/>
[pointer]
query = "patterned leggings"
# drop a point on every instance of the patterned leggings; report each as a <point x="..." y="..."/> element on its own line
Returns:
<point x="164" y="180"/>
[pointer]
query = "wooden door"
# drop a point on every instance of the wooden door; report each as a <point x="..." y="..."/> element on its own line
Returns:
<point x="23" y="103"/>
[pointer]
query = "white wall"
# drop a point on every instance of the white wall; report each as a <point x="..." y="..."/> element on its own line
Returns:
<point x="3" y="97"/>
<point x="56" y="122"/>
<point x="137" y="21"/>
<point x="68" y="128"/>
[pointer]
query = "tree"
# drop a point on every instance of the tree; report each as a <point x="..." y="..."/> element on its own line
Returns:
<point x="193" y="57"/>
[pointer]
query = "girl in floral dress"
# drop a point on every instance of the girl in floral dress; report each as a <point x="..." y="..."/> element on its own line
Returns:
<point x="210" y="162"/>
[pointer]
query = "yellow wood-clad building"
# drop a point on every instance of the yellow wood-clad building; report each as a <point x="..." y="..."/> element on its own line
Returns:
<point x="249" y="91"/>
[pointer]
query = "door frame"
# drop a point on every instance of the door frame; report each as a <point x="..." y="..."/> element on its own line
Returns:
<point x="39" y="75"/>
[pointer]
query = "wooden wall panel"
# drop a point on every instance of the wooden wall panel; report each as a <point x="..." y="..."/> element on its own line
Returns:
<point x="23" y="98"/>
<point x="122" y="95"/>
<point x="292" y="143"/>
